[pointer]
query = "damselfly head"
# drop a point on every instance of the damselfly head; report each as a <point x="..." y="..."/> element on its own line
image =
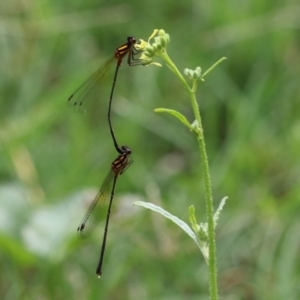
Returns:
<point x="125" y="150"/>
<point x="131" y="39"/>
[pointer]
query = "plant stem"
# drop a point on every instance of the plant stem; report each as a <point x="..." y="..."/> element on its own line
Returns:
<point x="210" y="213"/>
<point x="208" y="199"/>
<point x="207" y="180"/>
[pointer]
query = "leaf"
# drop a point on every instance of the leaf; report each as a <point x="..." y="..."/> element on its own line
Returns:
<point x="218" y="211"/>
<point x="212" y="67"/>
<point x="192" y="218"/>
<point x="176" y="114"/>
<point x="185" y="227"/>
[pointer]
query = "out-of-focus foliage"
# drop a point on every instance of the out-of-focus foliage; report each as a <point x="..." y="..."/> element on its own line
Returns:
<point x="53" y="160"/>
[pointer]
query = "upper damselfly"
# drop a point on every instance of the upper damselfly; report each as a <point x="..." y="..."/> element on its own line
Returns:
<point x="91" y="88"/>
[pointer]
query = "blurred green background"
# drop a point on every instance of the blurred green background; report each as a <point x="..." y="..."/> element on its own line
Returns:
<point x="53" y="160"/>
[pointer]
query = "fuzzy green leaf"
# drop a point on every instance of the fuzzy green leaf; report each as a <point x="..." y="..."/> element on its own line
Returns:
<point x="218" y="211"/>
<point x="176" y="114"/>
<point x="185" y="227"/>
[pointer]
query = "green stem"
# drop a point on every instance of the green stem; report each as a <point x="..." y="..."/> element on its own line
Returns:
<point x="207" y="180"/>
<point x="210" y="214"/>
<point x="174" y="69"/>
<point x="209" y="201"/>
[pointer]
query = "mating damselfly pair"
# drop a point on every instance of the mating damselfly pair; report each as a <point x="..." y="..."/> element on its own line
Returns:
<point x="89" y="91"/>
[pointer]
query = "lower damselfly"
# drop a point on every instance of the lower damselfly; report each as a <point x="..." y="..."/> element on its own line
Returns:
<point x="101" y="205"/>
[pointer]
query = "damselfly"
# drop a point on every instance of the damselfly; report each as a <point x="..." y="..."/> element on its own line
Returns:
<point x="91" y="88"/>
<point x="101" y="205"/>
